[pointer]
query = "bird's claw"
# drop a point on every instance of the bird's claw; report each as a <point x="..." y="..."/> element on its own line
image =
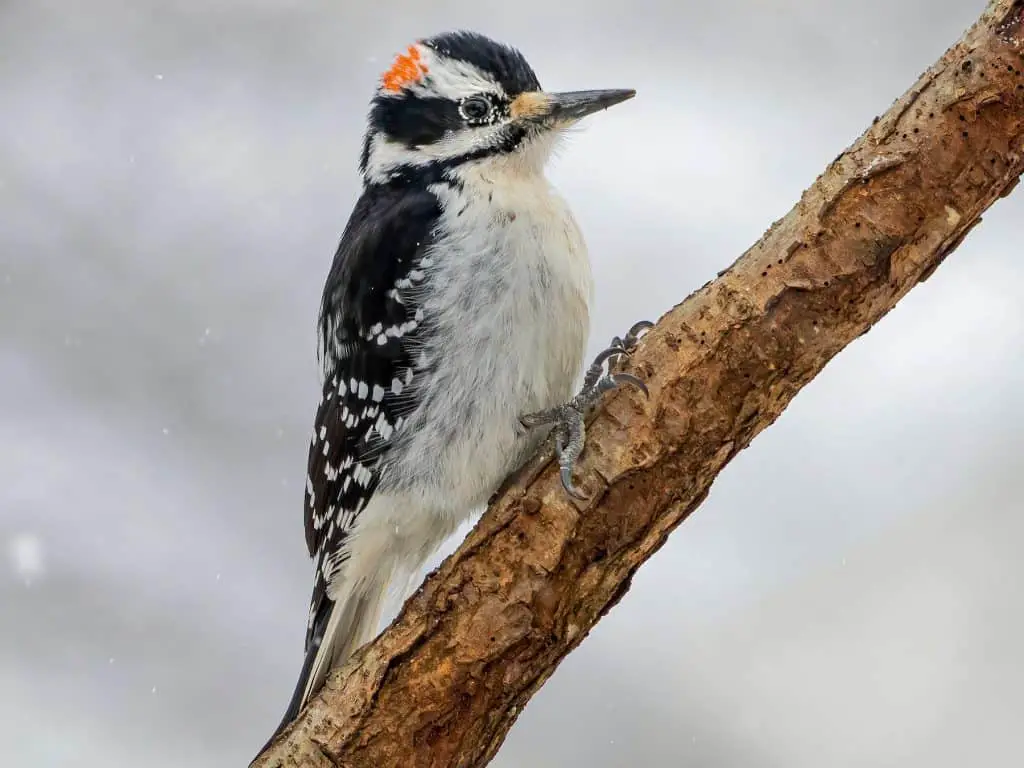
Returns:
<point x="566" y="474"/>
<point x="569" y="439"/>
<point x="568" y="419"/>
<point x="618" y="379"/>
<point x="633" y="335"/>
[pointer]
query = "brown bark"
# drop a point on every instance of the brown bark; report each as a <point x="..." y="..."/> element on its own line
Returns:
<point x="444" y="683"/>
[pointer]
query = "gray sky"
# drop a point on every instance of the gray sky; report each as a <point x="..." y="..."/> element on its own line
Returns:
<point x="174" y="178"/>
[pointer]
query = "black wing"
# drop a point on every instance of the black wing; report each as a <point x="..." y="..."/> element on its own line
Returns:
<point x="368" y="324"/>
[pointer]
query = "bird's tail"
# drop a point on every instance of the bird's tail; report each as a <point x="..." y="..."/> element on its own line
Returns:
<point x="340" y="628"/>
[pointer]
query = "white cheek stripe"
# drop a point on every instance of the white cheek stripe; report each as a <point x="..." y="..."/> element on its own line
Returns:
<point x="385" y="156"/>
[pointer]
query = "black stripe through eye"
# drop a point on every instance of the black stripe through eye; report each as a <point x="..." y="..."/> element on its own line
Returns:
<point x="414" y="120"/>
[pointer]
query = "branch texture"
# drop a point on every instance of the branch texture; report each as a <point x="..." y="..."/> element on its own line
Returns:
<point x="444" y="683"/>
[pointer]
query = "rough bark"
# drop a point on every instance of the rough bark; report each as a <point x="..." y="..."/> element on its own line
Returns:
<point x="445" y="682"/>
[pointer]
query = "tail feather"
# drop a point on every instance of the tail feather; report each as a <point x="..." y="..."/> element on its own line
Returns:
<point x="339" y="630"/>
<point x="352" y="623"/>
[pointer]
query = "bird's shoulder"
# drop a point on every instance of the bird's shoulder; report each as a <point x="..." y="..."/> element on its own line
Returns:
<point x="376" y="260"/>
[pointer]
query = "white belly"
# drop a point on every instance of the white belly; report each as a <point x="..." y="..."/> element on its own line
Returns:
<point x="508" y="313"/>
<point x="508" y="306"/>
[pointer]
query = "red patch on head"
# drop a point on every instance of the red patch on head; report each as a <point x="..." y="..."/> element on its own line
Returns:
<point x="406" y="69"/>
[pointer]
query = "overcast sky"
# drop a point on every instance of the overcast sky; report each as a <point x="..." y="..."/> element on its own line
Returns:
<point x="174" y="177"/>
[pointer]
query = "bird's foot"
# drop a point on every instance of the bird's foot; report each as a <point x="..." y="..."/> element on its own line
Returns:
<point x="568" y="419"/>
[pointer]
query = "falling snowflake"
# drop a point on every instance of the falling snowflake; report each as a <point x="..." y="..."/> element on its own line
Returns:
<point x="26" y="557"/>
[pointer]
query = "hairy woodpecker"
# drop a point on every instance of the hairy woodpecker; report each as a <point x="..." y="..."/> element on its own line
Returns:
<point x="452" y="327"/>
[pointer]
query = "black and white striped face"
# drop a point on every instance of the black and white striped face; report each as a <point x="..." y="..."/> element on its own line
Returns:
<point x="461" y="98"/>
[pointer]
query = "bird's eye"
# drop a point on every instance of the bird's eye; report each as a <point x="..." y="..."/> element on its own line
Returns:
<point x="475" y="108"/>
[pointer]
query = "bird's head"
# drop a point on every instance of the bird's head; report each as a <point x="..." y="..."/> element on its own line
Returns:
<point x="461" y="100"/>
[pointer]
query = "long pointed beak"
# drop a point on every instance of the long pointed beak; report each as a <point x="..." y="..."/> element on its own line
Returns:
<point x="574" y="105"/>
<point x="568" y="107"/>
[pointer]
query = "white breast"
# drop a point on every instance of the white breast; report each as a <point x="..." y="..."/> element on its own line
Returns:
<point x="508" y="306"/>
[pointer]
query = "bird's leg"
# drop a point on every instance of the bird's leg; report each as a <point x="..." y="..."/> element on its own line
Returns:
<point x="567" y="420"/>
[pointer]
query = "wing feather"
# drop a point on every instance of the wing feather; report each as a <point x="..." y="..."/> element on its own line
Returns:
<point x="368" y="326"/>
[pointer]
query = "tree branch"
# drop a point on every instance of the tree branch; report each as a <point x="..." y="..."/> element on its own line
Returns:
<point x="444" y="683"/>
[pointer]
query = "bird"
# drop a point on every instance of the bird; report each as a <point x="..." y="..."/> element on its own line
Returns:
<point x="452" y="327"/>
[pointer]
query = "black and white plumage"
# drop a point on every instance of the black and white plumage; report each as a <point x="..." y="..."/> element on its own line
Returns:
<point x="369" y="325"/>
<point x="457" y="303"/>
